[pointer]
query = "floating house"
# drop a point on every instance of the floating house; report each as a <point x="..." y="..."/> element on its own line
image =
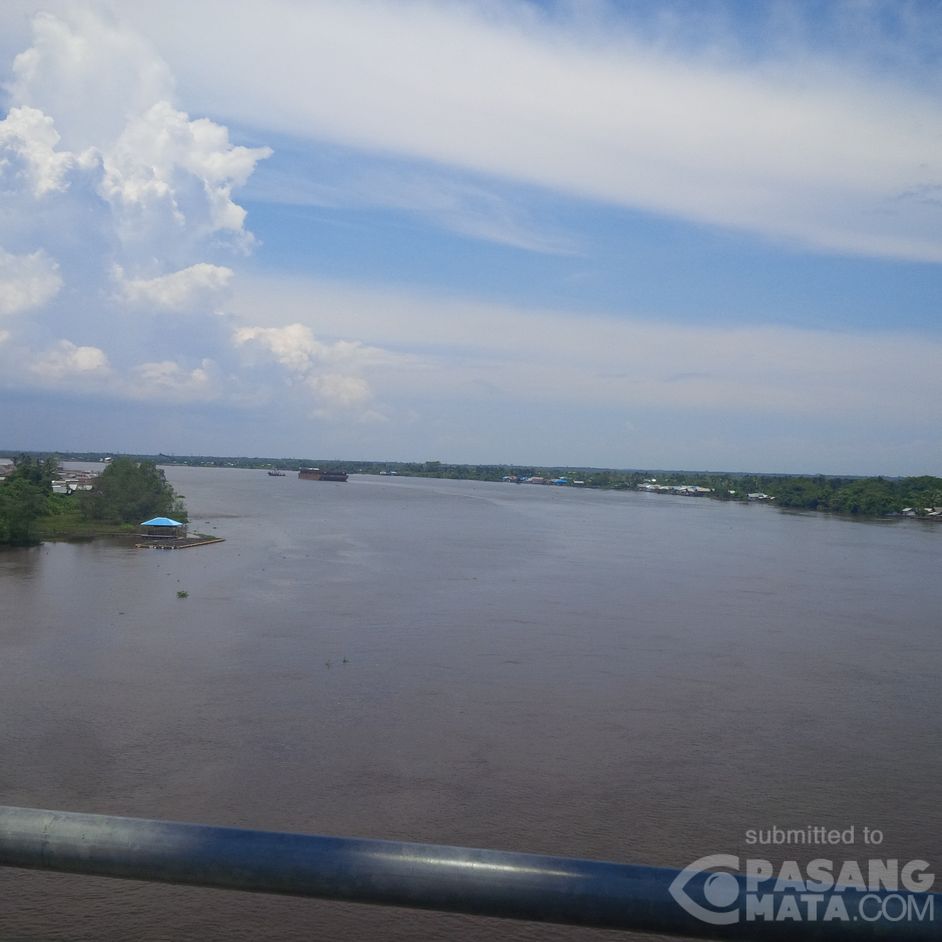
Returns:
<point x="163" y="528"/>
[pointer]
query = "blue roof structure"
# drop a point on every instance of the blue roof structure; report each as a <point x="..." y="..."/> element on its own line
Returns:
<point x="161" y="522"/>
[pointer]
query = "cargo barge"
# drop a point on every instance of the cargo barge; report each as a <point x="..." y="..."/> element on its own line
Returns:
<point x="316" y="474"/>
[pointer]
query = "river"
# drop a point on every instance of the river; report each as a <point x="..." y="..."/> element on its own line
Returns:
<point x="624" y="676"/>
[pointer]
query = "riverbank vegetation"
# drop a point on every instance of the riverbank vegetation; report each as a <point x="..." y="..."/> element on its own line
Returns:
<point x="24" y="498"/>
<point x="857" y="496"/>
<point x="916" y="496"/>
<point x="64" y="520"/>
<point x="127" y="492"/>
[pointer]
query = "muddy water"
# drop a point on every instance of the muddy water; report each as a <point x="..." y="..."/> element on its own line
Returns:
<point x="622" y="676"/>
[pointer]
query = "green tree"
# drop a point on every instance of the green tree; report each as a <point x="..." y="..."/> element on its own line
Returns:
<point x="22" y="502"/>
<point x="130" y="491"/>
<point x="38" y="471"/>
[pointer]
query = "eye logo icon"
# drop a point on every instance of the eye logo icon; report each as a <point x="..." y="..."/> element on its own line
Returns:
<point x="721" y="890"/>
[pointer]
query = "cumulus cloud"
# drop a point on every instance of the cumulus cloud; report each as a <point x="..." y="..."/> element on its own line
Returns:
<point x="27" y="281"/>
<point x="91" y="111"/>
<point x="168" y="380"/>
<point x="332" y="372"/>
<point x="68" y="366"/>
<point x="91" y="74"/>
<point x="296" y="348"/>
<point x="195" y="286"/>
<point x="28" y="142"/>
<point x="68" y="360"/>
<point x="93" y="138"/>
<point x="89" y="96"/>
<point x="166" y="171"/>
<point x="293" y="346"/>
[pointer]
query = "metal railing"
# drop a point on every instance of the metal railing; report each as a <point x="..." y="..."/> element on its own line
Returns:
<point x="447" y="879"/>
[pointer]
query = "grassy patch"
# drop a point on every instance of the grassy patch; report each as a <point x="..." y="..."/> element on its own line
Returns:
<point x="70" y="525"/>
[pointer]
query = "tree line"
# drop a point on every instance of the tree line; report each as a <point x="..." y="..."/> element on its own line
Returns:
<point x="859" y="496"/>
<point x="127" y="491"/>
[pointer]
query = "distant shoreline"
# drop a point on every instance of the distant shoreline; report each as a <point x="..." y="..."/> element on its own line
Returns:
<point x="852" y="496"/>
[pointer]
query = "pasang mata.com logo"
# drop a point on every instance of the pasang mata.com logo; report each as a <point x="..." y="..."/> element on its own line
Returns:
<point x="724" y="889"/>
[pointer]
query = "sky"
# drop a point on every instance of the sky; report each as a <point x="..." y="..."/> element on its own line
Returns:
<point x="695" y="235"/>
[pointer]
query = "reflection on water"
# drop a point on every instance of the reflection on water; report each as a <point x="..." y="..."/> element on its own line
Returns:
<point x="622" y="676"/>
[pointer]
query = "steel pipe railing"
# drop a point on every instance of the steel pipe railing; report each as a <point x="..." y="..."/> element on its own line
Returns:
<point x="448" y="879"/>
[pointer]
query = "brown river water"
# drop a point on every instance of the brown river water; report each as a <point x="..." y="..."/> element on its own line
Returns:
<point x="630" y="677"/>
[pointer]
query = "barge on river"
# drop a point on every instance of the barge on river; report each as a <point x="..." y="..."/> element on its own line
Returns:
<point x="316" y="474"/>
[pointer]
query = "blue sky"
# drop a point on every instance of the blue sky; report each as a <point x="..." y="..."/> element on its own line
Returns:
<point x="696" y="235"/>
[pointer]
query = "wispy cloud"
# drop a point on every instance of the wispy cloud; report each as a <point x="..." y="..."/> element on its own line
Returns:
<point x="455" y="205"/>
<point x="798" y="143"/>
<point x="466" y="209"/>
<point x="568" y="358"/>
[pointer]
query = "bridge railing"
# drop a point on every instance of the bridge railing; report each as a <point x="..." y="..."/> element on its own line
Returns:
<point x="457" y="880"/>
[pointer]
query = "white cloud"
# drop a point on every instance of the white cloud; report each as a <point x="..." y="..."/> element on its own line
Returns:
<point x="293" y="346"/>
<point x="296" y="348"/>
<point x="470" y="351"/>
<point x="67" y="360"/>
<point x="470" y="211"/>
<point x="168" y="380"/>
<point x="166" y="170"/>
<point x="90" y="73"/>
<point x="791" y="145"/>
<point x="332" y="372"/>
<point x="97" y="136"/>
<point x="196" y="286"/>
<point x="27" y="281"/>
<point x="28" y="142"/>
<point x="90" y="95"/>
<point x="337" y="389"/>
<point x="135" y="196"/>
<point x="69" y="367"/>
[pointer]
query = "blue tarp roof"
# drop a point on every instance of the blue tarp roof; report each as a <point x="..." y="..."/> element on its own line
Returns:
<point x="161" y="522"/>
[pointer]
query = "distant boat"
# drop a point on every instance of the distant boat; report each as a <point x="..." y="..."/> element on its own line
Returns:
<point x="276" y="474"/>
<point x="316" y="474"/>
